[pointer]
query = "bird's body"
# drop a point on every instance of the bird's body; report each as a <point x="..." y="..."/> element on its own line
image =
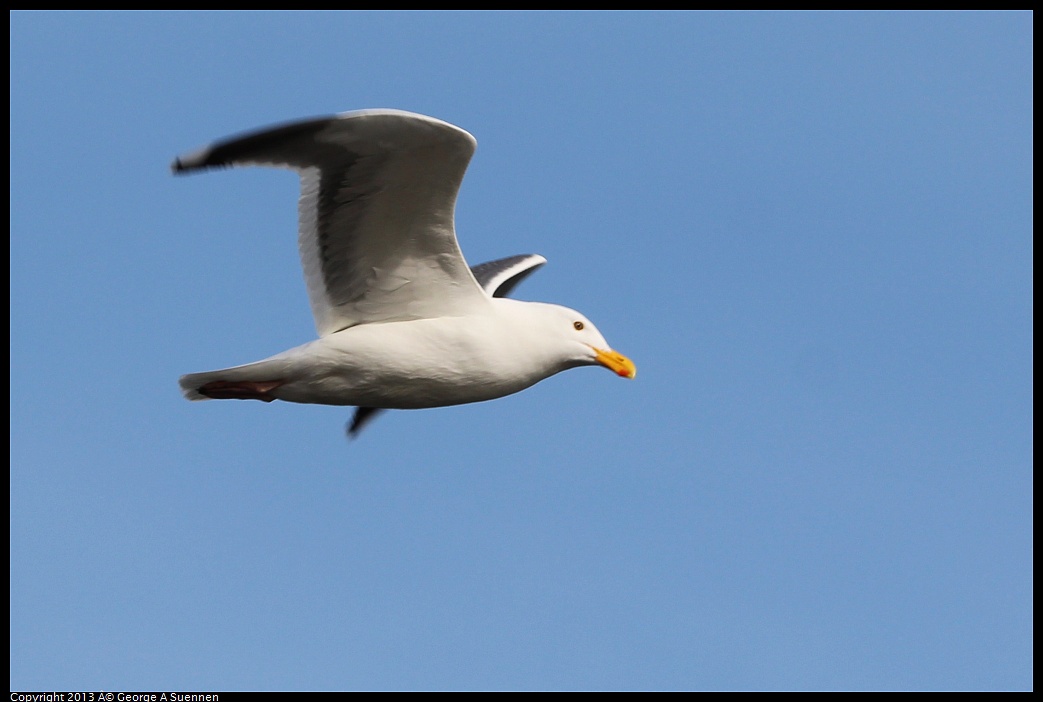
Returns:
<point x="403" y="322"/>
<point x="451" y="361"/>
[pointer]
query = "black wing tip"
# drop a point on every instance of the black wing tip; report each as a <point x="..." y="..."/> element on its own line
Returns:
<point x="193" y="161"/>
<point x="496" y="278"/>
<point x="249" y="147"/>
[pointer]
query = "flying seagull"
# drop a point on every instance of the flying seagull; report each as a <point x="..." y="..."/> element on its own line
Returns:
<point x="403" y="322"/>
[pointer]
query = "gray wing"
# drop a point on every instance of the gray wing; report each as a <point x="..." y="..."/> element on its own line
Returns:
<point x="498" y="278"/>
<point x="378" y="192"/>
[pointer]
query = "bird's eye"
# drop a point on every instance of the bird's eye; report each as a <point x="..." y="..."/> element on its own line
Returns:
<point x="578" y="326"/>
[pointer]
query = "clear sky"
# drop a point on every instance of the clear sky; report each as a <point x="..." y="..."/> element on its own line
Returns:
<point x="811" y="232"/>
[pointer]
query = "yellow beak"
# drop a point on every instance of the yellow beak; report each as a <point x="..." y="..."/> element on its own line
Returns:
<point x="616" y="362"/>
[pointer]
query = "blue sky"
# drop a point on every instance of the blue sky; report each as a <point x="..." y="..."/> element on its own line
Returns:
<point x="811" y="232"/>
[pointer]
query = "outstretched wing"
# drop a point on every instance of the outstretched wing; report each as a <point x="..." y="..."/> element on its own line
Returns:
<point x="378" y="191"/>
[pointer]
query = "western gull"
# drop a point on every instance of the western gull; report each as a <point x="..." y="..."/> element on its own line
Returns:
<point x="403" y="322"/>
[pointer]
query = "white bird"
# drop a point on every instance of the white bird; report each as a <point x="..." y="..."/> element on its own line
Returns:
<point x="403" y="322"/>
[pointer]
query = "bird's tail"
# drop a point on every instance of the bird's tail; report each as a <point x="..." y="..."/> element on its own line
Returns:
<point x="253" y="381"/>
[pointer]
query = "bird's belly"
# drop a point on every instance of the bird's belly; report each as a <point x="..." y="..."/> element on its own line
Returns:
<point x="393" y="390"/>
<point x="339" y="373"/>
